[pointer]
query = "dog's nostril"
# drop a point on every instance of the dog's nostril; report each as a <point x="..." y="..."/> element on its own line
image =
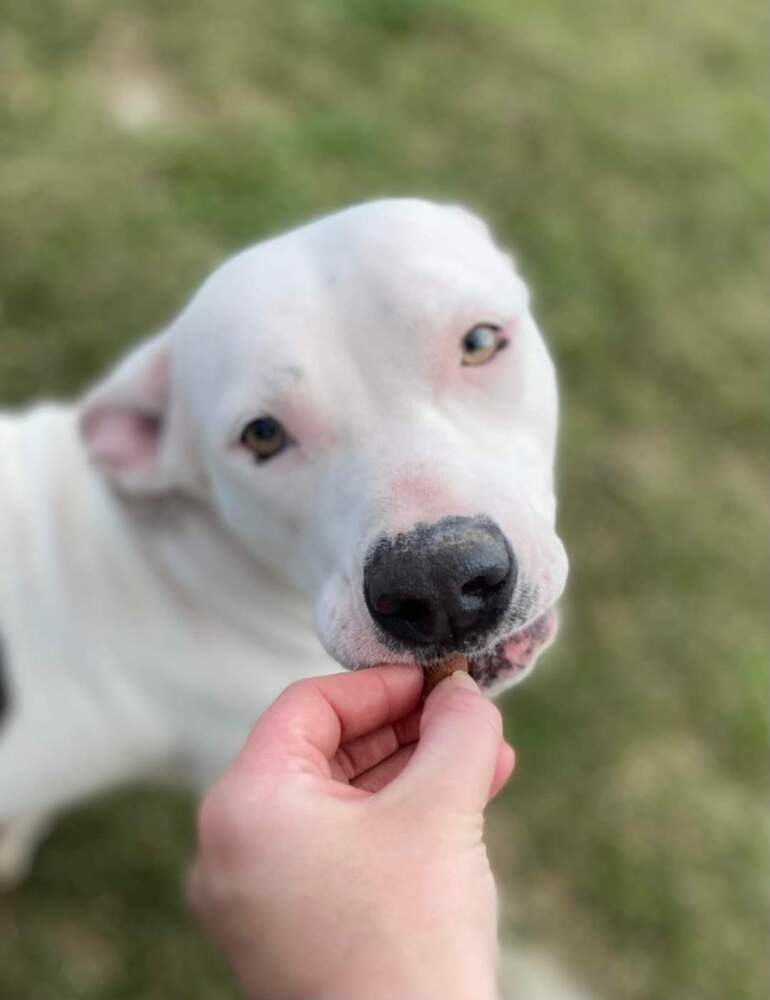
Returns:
<point x="414" y="609"/>
<point x="476" y="587"/>
<point x="416" y="613"/>
<point x="387" y="605"/>
<point x="486" y="583"/>
<point x="409" y="609"/>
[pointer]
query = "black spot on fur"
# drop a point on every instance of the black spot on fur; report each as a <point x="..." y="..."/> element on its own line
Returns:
<point x="486" y="669"/>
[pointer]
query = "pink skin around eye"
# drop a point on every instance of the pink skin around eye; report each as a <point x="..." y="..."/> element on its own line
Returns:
<point x="307" y="426"/>
<point x="302" y="423"/>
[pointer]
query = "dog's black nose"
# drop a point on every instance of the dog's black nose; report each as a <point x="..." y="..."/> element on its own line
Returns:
<point x="440" y="584"/>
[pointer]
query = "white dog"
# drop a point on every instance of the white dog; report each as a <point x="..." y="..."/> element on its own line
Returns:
<point x="347" y="436"/>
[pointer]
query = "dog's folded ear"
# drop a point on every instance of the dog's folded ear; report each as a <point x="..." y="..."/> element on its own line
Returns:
<point x="124" y="420"/>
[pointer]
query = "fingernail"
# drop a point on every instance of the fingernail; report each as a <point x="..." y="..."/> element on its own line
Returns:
<point x="463" y="679"/>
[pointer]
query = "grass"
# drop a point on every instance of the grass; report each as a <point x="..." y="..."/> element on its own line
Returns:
<point x="620" y="149"/>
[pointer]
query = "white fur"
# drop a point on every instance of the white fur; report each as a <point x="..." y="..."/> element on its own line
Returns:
<point x="158" y="588"/>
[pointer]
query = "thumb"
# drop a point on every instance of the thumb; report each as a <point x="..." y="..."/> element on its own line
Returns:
<point x="461" y="735"/>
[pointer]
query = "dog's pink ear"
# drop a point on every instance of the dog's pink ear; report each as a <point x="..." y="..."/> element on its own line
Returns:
<point x="124" y="418"/>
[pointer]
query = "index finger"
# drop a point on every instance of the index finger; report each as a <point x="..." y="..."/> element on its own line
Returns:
<point x="305" y="726"/>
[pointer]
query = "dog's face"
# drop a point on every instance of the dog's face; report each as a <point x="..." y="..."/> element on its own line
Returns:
<point x="369" y="407"/>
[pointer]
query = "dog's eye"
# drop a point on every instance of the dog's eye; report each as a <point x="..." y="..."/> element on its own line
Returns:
<point x="265" y="437"/>
<point x="481" y="343"/>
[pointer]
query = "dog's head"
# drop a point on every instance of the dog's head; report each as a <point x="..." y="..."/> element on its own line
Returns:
<point x="369" y="407"/>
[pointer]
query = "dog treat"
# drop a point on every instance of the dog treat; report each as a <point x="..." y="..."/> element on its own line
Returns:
<point x="441" y="670"/>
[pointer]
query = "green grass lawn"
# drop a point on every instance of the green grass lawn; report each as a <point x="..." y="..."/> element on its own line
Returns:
<point x="620" y="149"/>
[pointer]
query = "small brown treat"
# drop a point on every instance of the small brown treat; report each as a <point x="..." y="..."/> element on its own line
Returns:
<point x="441" y="670"/>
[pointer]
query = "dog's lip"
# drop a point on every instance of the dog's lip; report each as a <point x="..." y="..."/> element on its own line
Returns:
<point x="514" y="654"/>
<point x="517" y="649"/>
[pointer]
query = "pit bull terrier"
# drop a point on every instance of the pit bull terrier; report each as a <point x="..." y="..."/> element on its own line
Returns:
<point x="339" y="453"/>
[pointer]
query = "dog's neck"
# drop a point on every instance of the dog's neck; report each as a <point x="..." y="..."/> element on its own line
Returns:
<point x="206" y="566"/>
<point x="101" y="559"/>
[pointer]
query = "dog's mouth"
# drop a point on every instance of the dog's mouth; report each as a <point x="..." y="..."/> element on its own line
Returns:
<point x="510" y="659"/>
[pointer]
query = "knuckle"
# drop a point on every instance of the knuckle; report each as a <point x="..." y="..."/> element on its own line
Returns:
<point x="209" y="823"/>
<point x="239" y="818"/>
<point x="221" y="823"/>
<point x="295" y="690"/>
<point x="300" y="693"/>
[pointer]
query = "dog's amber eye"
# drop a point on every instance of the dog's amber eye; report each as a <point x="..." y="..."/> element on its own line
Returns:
<point x="265" y="437"/>
<point x="481" y="344"/>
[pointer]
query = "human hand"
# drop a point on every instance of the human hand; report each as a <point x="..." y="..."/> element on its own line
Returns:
<point x="341" y="855"/>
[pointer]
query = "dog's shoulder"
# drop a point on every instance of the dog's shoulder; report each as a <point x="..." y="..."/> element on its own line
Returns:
<point x="35" y="436"/>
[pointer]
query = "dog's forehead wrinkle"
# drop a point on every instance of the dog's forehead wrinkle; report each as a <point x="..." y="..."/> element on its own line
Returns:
<point x="281" y="378"/>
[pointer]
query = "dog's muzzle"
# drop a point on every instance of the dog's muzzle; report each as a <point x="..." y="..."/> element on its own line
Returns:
<point x="440" y="587"/>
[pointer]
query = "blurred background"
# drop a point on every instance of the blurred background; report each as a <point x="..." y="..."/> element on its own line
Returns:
<point x="619" y="148"/>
